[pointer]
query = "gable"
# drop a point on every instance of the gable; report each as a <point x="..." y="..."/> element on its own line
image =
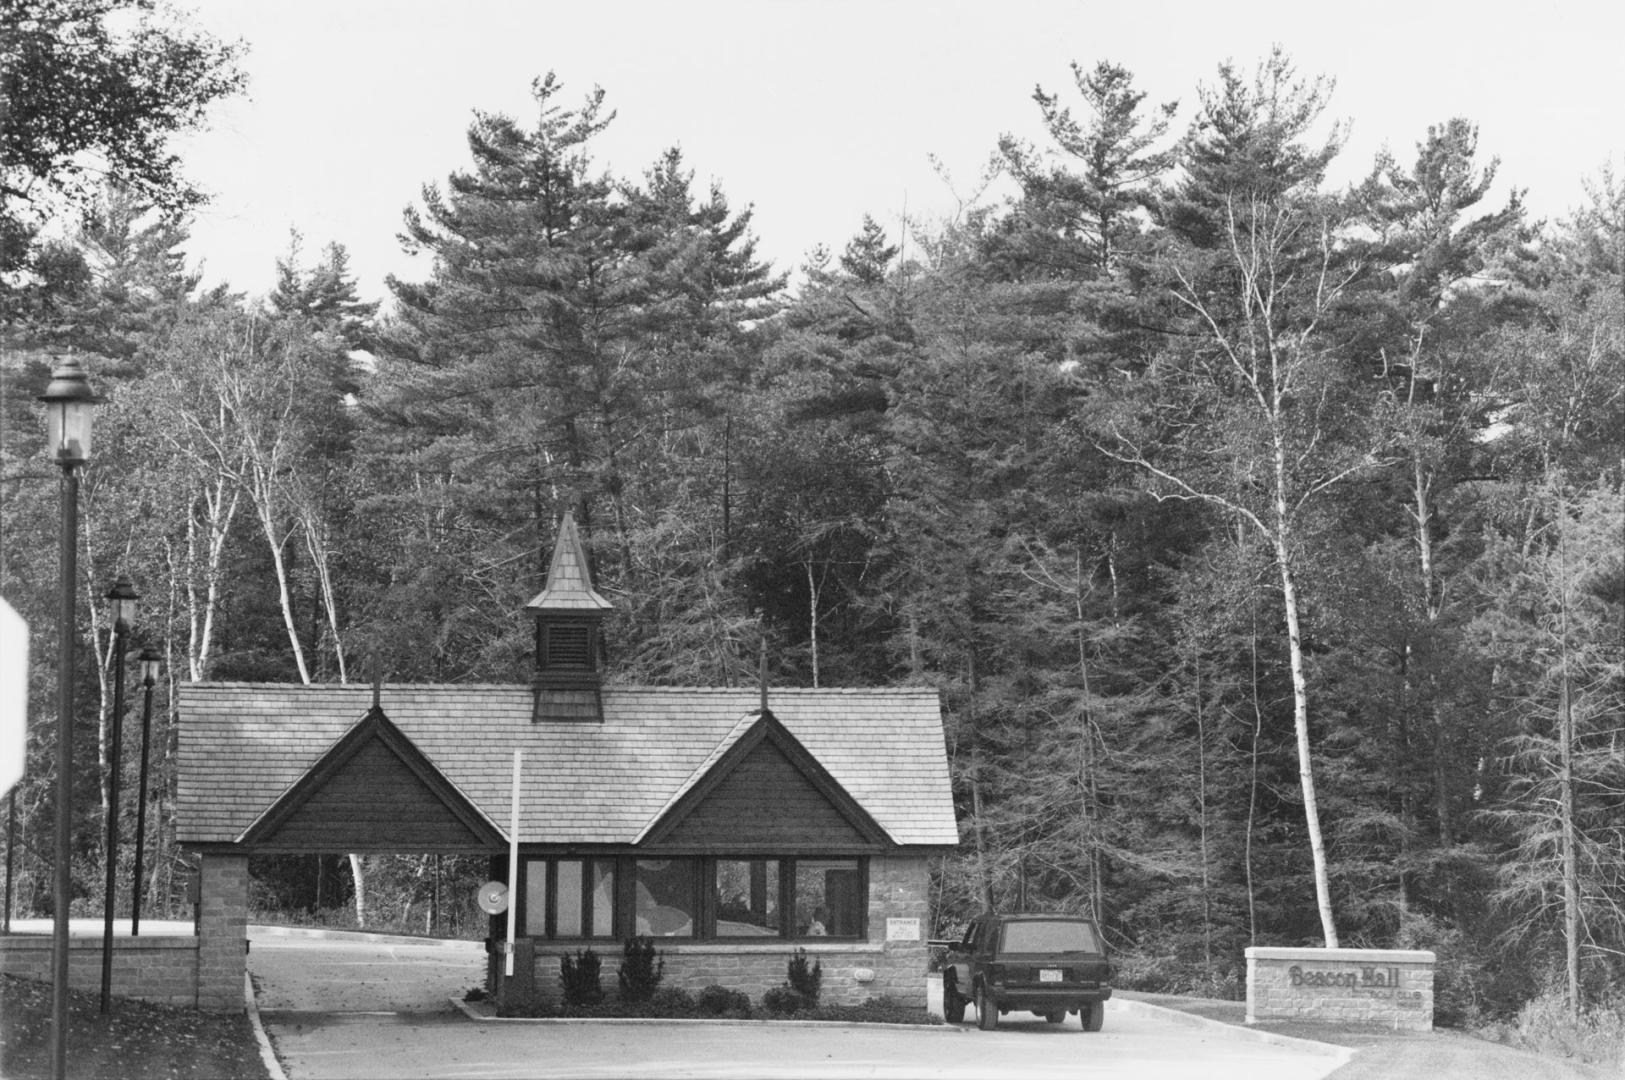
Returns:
<point x="765" y="801"/>
<point x="766" y="792"/>
<point x="372" y="792"/>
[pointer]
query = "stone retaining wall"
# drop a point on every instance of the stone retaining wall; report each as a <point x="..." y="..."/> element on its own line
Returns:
<point x="160" y="969"/>
<point x="1391" y="987"/>
<point x="853" y="972"/>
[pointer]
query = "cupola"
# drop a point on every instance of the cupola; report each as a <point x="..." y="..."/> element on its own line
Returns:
<point x="569" y="642"/>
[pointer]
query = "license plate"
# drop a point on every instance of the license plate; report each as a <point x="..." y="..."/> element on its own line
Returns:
<point x="1049" y="975"/>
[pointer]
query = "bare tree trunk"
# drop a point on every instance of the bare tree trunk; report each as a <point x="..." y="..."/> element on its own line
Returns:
<point x="1252" y="791"/>
<point x="1565" y="736"/>
<point x="812" y="619"/>
<point x="357" y="874"/>
<point x="277" y="544"/>
<point x="1086" y="744"/>
<point x="982" y="870"/>
<point x="1201" y="802"/>
<point x="1306" y="777"/>
<point x="316" y="545"/>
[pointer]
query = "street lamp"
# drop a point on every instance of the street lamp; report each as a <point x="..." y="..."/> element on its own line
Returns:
<point x="151" y="662"/>
<point x="68" y="403"/>
<point x="121" y="599"/>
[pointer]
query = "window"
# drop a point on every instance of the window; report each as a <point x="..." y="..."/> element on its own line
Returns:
<point x="747" y="898"/>
<point x="829" y="898"/>
<point x="664" y="905"/>
<point x="569" y="898"/>
<point x="738" y="898"/>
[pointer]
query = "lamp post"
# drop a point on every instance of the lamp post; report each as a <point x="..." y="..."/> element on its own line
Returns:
<point x="121" y="598"/>
<point x="150" y="663"/>
<point x="68" y="402"/>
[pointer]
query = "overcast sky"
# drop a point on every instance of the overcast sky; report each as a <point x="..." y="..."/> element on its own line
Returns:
<point x="818" y="112"/>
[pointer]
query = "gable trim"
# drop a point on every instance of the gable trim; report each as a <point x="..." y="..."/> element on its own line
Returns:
<point x="374" y="726"/>
<point x="765" y="728"/>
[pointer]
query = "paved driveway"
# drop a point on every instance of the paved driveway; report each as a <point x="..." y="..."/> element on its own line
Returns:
<point x="345" y="1010"/>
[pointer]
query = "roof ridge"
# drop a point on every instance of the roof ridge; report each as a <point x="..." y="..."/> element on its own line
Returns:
<point x="742" y="691"/>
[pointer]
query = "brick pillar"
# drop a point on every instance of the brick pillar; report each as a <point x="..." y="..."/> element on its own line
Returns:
<point x="222" y="932"/>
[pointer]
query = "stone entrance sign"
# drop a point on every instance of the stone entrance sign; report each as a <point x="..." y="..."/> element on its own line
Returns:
<point x="1391" y="987"/>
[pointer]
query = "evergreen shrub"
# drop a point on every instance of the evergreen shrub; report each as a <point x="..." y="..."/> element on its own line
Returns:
<point x="642" y="968"/>
<point x="806" y="980"/>
<point x="579" y="978"/>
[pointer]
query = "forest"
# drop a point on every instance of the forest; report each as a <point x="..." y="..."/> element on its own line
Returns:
<point x="1264" y="538"/>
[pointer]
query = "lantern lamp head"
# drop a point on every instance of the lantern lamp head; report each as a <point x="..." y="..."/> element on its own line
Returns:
<point x="151" y="663"/>
<point x="68" y="401"/>
<point x="122" y="598"/>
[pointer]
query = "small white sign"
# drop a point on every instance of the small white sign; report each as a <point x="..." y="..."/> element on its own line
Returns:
<point x="902" y="929"/>
<point x="13" y="695"/>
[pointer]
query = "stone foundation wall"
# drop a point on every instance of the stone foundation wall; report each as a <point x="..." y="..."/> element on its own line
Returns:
<point x="159" y="969"/>
<point x="853" y="972"/>
<point x="1390" y="987"/>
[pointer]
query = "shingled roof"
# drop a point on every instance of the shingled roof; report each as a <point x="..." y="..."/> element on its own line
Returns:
<point x="242" y="745"/>
<point x="569" y="580"/>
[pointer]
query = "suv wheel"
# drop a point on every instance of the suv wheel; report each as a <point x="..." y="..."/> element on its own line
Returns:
<point x="1093" y="1015"/>
<point x="987" y="1010"/>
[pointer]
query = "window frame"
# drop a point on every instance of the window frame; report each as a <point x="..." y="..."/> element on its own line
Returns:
<point x="623" y="907"/>
<point x="550" y="898"/>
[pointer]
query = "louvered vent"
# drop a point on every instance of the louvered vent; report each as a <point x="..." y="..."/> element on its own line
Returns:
<point x="569" y="646"/>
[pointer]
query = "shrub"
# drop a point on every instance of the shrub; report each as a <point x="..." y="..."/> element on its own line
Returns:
<point x="1459" y="991"/>
<point x="875" y="1010"/>
<point x="806" y="981"/>
<point x="1595" y="1036"/>
<point x="578" y="976"/>
<point x="672" y="1001"/>
<point x="641" y="970"/>
<point x="782" y="1001"/>
<point x="717" y="1000"/>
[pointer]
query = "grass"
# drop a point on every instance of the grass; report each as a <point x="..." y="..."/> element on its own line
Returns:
<point x="136" y="1040"/>
<point x="1383" y="1054"/>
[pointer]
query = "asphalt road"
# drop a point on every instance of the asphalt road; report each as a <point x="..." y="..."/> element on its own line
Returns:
<point x="352" y="1010"/>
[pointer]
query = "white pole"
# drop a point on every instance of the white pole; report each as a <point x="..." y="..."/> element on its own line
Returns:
<point x="513" y="864"/>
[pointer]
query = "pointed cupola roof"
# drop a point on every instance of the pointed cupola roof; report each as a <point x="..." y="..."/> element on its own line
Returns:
<point x="569" y="581"/>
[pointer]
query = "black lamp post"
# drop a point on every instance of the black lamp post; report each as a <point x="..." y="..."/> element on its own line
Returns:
<point x="68" y="402"/>
<point x="150" y="663"/>
<point x="121" y="598"/>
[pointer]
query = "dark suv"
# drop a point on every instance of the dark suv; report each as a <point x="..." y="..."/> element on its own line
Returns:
<point x="1047" y="964"/>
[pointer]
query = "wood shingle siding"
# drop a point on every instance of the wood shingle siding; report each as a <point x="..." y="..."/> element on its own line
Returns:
<point x="373" y="803"/>
<point x="765" y="804"/>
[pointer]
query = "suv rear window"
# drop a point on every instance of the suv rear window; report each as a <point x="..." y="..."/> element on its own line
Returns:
<point x="1049" y="937"/>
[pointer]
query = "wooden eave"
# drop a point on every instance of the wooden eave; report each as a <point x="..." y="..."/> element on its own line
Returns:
<point x="768" y="728"/>
<point x="374" y="726"/>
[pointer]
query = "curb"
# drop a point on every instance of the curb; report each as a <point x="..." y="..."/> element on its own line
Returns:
<point x="469" y="1011"/>
<point x="1185" y="1019"/>
<point x="273" y="1067"/>
<point x="269" y="931"/>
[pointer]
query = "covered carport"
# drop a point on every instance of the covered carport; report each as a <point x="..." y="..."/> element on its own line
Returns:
<point x="372" y="791"/>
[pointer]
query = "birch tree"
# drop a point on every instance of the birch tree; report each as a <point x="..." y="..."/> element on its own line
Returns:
<point x="1256" y="419"/>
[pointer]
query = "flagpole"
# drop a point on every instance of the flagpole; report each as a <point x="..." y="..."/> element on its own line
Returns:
<point x="513" y="866"/>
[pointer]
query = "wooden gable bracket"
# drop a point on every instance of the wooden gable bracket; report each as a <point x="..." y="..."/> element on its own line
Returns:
<point x="374" y="726"/>
<point x="768" y="728"/>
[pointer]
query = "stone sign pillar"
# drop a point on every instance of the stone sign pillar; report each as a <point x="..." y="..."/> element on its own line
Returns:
<point x="1390" y="987"/>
